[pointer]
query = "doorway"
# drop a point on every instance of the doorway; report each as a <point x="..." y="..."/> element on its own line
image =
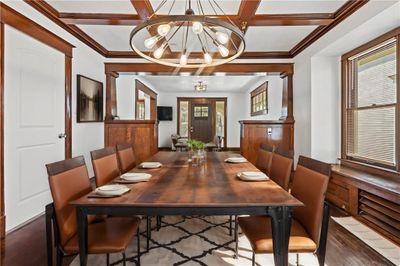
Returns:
<point x="202" y="119"/>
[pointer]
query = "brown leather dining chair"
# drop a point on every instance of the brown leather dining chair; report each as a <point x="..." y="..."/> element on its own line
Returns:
<point x="126" y="157"/>
<point x="69" y="180"/>
<point x="264" y="158"/>
<point x="105" y="165"/>
<point x="281" y="167"/>
<point x="309" y="226"/>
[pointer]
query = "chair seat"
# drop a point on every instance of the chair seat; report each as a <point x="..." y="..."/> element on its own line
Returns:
<point x="258" y="230"/>
<point x="111" y="236"/>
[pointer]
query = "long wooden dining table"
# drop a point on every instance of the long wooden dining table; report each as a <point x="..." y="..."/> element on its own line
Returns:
<point x="177" y="188"/>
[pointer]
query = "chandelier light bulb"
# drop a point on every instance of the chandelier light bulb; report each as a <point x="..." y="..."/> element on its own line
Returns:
<point x="183" y="60"/>
<point x="222" y="37"/>
<point x="163" y="29"/>
<point x="159" y="52"/>
<point x="150" y="42"/>
<point x="197" y="27"/>
<point x="207" y="58"/>
<point x="223" y="50"/>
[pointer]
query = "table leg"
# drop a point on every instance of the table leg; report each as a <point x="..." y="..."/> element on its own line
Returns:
<point x="281" y="219"/>
<point x="82" y="234"/>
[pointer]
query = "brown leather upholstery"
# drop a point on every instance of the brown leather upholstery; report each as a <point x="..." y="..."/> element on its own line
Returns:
<point x="105" y="165"/>
<point x="69" y="180"/>
<point x="258" y="230"/>
<point x="111" y="236"/>
<point x="126" y="157"/>
<point x="309" y="186"/>
<point x="281" y="168"/>
<point x="264" y="158"/>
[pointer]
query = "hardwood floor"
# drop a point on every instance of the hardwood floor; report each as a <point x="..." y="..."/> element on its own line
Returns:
<point x="27" y="246"/>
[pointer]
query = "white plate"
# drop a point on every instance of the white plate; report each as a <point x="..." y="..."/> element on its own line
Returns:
<point x="112" y="192"/>
<point x="136" y="177"/>
<point x="151" y="165"/>
<point x="252" y="176"/>
<point x="236" y="160"/>
<point x="115" y="187"/>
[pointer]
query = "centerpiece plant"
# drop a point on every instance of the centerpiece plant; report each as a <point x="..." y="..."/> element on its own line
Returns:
<point x="197" y="151"/>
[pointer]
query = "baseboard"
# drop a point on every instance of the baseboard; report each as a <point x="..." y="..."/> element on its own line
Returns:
<point x="164" y="148"/>
<point x="24" y="223"/>
<point x="237" y="149"/>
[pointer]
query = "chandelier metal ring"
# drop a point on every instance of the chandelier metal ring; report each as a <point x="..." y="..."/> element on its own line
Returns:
<point x="180" y="20"/>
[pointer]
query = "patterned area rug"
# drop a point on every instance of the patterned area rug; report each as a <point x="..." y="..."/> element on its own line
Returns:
<point x="196" y="241"/>
<point x="380" y="244"/>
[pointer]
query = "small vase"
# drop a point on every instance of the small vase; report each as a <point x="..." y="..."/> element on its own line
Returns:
<point x="198" y="157"/>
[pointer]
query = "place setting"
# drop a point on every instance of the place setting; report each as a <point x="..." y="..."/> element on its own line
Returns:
<point x="150" y="165"/>
<point x="236" y="159"/>
<point x="109" y="191"/>
<point x="252" y="176"/>
<point x="129" y="178"/>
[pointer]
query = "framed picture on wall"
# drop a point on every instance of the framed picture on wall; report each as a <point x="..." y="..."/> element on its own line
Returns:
<point x="90" y="100"/>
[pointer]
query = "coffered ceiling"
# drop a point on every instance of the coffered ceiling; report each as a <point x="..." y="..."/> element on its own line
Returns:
<point x="272" y="28"/>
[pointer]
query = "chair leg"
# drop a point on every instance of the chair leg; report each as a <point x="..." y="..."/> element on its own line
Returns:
<point x="123" y="258"/>
<point x="323" y="235"/>
<point x="108" y="259"/>
<point x="138" y="248"/>
<point x="253" y="259"/>
<point x="148" y="234"/>
<point x="230" y="225"/>
<point x="59" y="257"/>
<point x="236" y="238"/>
<point x="297" y="259"/>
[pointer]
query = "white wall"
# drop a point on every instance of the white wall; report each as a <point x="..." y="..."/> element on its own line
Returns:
<point x="317" y="78"/>
<point x="85" y="61"/>
<point x="275" y="84"/>
<point x="126" y="97"/>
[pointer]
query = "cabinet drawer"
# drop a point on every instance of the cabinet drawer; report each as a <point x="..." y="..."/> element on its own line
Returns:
<point x="338" y="195"/>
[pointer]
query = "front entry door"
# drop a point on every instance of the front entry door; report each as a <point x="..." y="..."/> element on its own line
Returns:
<point x="34" y="118"/>
<point x="201" y="122"/>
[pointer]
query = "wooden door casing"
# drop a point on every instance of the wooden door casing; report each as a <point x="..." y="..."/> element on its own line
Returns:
<point x="201" y="125"/>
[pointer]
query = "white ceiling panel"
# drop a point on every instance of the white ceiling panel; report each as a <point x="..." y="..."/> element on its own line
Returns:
<point x="113" y="38"/>
<point x="299" y="6"/>
<point x="282" y="38"/>
<point x="93" y="6"/>
<point x="230" y="7"/>
<point x="214" y="83"/>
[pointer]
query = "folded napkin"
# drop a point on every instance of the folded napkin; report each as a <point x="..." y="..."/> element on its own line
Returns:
<point x="236" y="160"/>
<point x="150" y="165"/>
<point x="252" y="176"/>
<point x="136" y="177"/>
<point x="112" y="190"/>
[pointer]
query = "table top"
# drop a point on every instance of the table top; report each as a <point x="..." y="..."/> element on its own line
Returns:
<point x="214" y="184"/>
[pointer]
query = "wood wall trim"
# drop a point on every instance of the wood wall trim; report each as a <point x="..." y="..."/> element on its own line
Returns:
<point x="140" y="86"/>
<point x="51" y="13"/>
<point x="16" y="20"/>
<point x="231" y="68"/>
<point x="2" y="207"/>
<point x="341" y="14"/>
<point x="68" y="107"/>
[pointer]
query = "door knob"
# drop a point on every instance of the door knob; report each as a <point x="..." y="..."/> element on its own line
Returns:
<point x="62" y="136"/>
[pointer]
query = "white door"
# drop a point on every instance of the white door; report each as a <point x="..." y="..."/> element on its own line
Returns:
<point x="34" y="116"/>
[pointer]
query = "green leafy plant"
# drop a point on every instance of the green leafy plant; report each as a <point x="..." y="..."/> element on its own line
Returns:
<point x="196" y="144"/>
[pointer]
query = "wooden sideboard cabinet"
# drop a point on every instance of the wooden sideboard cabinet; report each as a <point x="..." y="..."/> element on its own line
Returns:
<point x="372" y="199"/>
<point x="279" y="133"/>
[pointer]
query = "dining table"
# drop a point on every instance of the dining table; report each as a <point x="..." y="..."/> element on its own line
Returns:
<point x="209" y="189"/>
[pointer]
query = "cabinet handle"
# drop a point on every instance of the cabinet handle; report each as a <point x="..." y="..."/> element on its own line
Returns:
<point x="269" y="131"/>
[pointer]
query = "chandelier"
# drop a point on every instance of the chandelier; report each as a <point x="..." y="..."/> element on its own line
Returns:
<point x="200" y="86"/>
<point x="191" y="40"/>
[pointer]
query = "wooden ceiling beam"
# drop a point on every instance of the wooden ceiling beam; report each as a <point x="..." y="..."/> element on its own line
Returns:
<point x="291" y="19"/>
<point x="100" y="19"/>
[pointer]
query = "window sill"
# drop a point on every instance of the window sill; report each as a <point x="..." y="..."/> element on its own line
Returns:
<point x="371" y="169"/>
<point x="262" y="112"/>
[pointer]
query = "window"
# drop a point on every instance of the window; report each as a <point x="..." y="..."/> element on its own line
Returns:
<point x="258" y="100"/>
<point x="183" y="119"/>
<point x="201" y="111"/>
<point x="371" y="108"/>
<point x="140" y="110"/>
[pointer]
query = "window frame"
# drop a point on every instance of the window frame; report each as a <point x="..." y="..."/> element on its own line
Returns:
<point x="258" y="93"/>
<point x="347" y="79"/>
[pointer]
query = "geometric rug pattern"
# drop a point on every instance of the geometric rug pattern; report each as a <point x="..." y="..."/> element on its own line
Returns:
<point x="376" y="241"/>
<point x="194" y="240"/>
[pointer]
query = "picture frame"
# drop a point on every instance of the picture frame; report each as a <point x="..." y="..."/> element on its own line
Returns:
<point x="89" y="100"/>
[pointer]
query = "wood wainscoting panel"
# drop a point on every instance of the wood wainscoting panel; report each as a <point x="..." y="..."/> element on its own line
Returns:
<point x="141" y="134"/>
<point x="253" y="133"/>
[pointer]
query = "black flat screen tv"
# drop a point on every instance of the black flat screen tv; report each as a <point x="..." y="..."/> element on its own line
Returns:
<point x="164" y="113"/>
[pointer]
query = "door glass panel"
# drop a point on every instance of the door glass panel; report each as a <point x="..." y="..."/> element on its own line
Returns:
<point x="220" y="118"/>
<point x="184" y="119"/>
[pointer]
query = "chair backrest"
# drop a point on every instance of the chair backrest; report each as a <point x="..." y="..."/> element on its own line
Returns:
<point x="126" y="157"/>
<point x="281" y="167"/>
<point x="105" y="165"/>
<point x="68" y="180"/>
<point x="264" y="157"/>
<point x="310" y="183"/>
